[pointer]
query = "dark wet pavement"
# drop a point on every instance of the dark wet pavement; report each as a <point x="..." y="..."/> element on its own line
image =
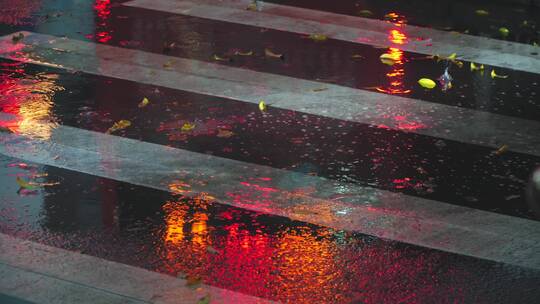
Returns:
<point x="259" y="254"/>
<point x="268" y="256"/>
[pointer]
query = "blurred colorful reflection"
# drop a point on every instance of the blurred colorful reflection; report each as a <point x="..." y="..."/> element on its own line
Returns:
<point x="293" y="262"/>
<point x="28" y="101"/>
<point x="395" y="76"/>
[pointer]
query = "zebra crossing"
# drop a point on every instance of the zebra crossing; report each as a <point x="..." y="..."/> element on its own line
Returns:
<point x="352" y="207"/>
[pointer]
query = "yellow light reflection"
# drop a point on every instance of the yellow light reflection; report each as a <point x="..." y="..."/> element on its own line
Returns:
<point x="30" y="99"/>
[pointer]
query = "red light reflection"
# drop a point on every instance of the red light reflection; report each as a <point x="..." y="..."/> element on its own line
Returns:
<point x="103" y="12"/>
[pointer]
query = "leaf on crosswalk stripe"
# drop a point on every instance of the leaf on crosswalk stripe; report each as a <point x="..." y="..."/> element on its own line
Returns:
<point x="262" y="106"/>
<point x="365" y="13"/>
<point x="427" y="83"/>
<point x="144" y="103"/>
<point x="269" y="53"/>
<point x="24" y="184"/>
<point x="239" y="53"/>
<point x="17" y="38"/>
<point x="119" y="125"/>
<point x="169" y="63"/>
<point x="204" y="300"/>
<point x="224" y="133"/>
<point x="388" y="59"/>
<point x="504" y="32"/>
<point x="187" y="127"/>
<point x="219" y="58"/>
<point x="318" y="37"/>
<point x="320" y="89"/>
<point x="495" y="75"/>
<point x="481" y="12"/>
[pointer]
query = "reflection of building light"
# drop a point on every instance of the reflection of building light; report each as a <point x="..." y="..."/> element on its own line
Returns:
<point x="29" y="99"/>
<point x="103" y="12"/>
<point x="175" y="215"/>
<point x="395" y="77"/>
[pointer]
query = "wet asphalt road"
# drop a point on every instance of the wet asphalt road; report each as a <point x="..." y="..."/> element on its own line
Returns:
<point x="258" y="254"/>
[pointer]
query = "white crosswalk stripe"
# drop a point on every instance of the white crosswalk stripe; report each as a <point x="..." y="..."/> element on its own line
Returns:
<point x="493" y="52"/>
<point x="448" y="122"/>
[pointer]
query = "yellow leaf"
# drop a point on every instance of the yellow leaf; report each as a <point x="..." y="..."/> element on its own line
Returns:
<point x="494" y="75"/>
<point x="218" y="58"/>
<point x="452" y="56"/>
<point x="504" y="32"/>
<point x="169" y="63"/>
<point x="502" y="150"/>
<point x="427" y="83"/>
<point x="238" y="53"/>
<point x="318" y="37"/>
<point x="252" y="7"/>
<point x="223" y="133"/>
<point x="365" y="13"/>
<point x="204" y="300"/>
<point x="262" y="106"/>
<point x="388" y="59"/>
<point x="269" y="53"/>
<point x="481" y="12"/>
<point x="119" y="125"/>
<point x="186" y="127"/>
<point x="24" y="184"/>
<point x="475" y="67"/>
<point x="144" y="103"/>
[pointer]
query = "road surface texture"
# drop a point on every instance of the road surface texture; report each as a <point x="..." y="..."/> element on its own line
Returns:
<point x="230" y="151"/>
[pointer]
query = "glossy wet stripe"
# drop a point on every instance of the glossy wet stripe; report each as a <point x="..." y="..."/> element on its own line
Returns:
<point x="45" y="274"/>
<point x="354" y="105"/>
<point x="380" y="213"/>
<point x="355" y="29"/>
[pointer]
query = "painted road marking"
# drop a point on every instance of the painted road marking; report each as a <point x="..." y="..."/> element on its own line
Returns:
<point x="45" y="274"/>
<point x="359" y="30"/>
<point x="273" y="191"/>
<point x="356" y="105"/>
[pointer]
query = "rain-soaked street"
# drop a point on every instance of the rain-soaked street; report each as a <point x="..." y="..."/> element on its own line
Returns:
<point x="285" y="151"/>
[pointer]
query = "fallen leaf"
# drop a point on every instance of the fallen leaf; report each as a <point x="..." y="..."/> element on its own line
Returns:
<point x="427" y="83"/>
<point x="17" y="38"/>
<point x="204" y="300"/>
<point x="218" y="58"/>
<point x="320" y="89"/>
<point x="475" y="67"/>
<point x="24" y="184"/>
<point x="365" y="13"/>
<point x="169" y="63"/>
<point x="481" y="12"/>
<point x="452" y="56"/>
<point x="186" y="127"/>
<point x="318" y="37"/>
<point x="144" y="103"/>
<point x="238" y="53"/>
<point x="504" y="32"/>
<point x="119" y="125"/>
<point x="193" y="281"/>
<point x="388" y="59"/>
<point x="262" y="106"/>
<point x="357" y="56"/>
<point x="223" y="133"/>
<point x="211" y="250"/>
<point x="391" y="16"/>
<point x="269" y="53"/>
<point x="494" y="75"/>
<point x="445" y="80"/>
<point x="502" y="150"/>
